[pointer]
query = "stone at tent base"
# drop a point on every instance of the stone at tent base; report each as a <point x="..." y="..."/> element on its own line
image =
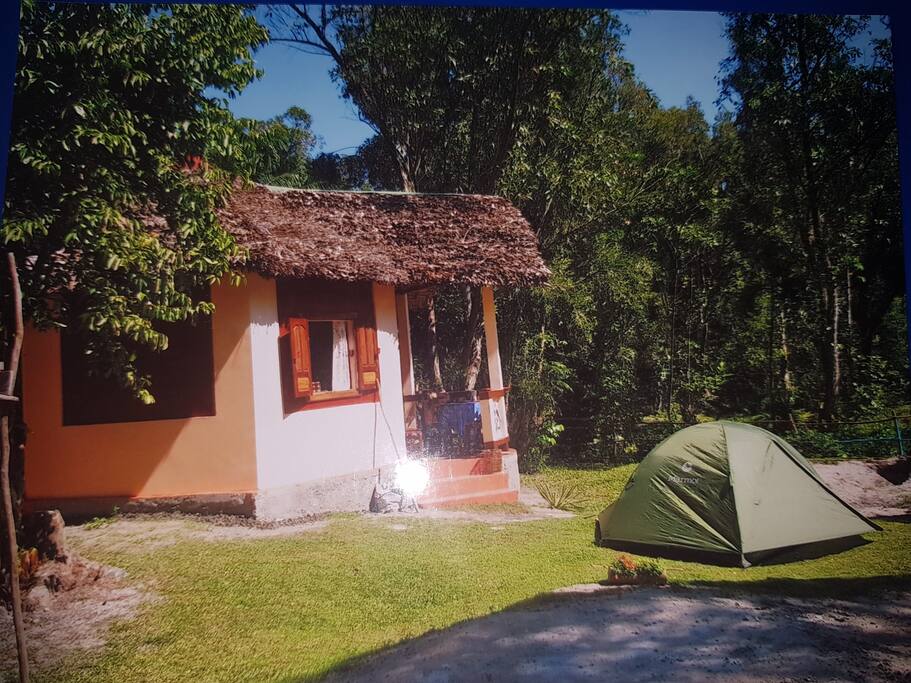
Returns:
<point x="44" y="530"/>
<point x="616" y="579"/>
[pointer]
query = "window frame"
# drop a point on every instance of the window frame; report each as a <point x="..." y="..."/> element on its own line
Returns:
<point x="300" y="300"/>
<point x="90" y="400"/>
<point x="352" y="361"/>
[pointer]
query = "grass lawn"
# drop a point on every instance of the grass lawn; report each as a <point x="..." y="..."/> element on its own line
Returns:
<point x="292" y="608"/>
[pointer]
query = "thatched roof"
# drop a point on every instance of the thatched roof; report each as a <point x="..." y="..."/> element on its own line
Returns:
<point x="396" y="238"/>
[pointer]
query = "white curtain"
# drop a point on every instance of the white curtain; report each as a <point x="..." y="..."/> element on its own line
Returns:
<point x="341" y="368"/>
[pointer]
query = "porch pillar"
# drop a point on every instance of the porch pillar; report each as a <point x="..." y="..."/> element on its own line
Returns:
<point x="493" y="399"/>
<point x="494" y="369"/>
<point x="406" y="360"/>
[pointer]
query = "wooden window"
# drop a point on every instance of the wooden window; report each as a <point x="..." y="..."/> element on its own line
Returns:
<point x="183" y="380"/>
<point x="301" y="375"/>
<point x="328" y="348"/>
<point x="322" y="357"/>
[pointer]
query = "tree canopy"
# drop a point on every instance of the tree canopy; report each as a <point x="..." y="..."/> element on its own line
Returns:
<point x="740" y="267"/>
<point x="108" y="208"/>
<point x="747" y="266"/>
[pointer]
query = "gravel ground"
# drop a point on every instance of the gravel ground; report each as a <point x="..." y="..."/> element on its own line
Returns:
<point x="591" y="633"/>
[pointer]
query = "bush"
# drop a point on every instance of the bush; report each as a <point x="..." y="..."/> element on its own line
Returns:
<point x="814" y="444"/>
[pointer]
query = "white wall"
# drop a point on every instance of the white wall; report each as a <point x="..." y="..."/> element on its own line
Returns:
<point x="328" y="441"/>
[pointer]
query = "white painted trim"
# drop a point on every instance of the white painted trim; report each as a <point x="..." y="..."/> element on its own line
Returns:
<point x="494" y="369"/>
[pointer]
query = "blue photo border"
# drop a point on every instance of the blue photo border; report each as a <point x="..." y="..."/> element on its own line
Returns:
<point x="899" y="12"/>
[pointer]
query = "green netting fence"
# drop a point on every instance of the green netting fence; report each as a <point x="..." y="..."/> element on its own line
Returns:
<point x="877" y="438"/>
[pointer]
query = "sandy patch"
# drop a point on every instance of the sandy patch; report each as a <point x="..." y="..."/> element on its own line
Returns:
<point x="70" y="608"/>
<point x="143" y="534"/>
<point x="862" y="487"/>
<point x="531" y="508"/>
<point x="594" y="634"/>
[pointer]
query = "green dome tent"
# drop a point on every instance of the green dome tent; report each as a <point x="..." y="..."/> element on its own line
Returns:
<point x="729" y="493"/>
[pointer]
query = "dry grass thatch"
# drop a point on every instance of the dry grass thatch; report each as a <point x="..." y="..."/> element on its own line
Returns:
<point x="402" y="239"/>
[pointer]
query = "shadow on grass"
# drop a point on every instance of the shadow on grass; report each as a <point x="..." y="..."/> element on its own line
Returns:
<point x="900" y="519"/>
<point x="830" y="587"/>
<point x="777" y="556"/>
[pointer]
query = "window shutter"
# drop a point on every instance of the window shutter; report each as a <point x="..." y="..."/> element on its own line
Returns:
<point x="367" y="363"/>
<point x="301" y="376"/>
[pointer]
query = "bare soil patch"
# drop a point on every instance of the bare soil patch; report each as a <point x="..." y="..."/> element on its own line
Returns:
<point x="146" y="533"/>
<point x="862" y="486"/>
<point x="69" y="607"/>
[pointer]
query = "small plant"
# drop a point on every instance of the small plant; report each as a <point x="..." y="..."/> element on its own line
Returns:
<point x="561" y="495"/>
<point x="624" y="566"/>
<point x="28" y="563"/>
<point x="98" y="522"/>
<point x="624" y="570"/>
<point x="649" y="567"/>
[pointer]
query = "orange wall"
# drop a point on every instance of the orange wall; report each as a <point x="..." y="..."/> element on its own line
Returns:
<point x="147" y="459"/>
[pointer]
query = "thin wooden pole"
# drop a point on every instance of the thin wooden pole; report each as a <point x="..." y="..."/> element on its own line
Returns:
<point x="8" y="388"/>
<point x="12" y="368"/>
<point x="898" y="435"/>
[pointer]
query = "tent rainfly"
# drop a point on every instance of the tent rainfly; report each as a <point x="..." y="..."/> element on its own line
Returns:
<point x="732" y="494"/>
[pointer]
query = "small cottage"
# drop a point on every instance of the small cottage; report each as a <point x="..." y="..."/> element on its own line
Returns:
<point x="298" y="395"/>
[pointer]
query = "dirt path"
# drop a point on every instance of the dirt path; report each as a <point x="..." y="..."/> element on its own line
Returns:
<point x="861" y="486"/>
<point x="660" y="635"/>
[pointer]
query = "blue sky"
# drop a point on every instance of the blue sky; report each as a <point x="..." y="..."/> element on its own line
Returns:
<point x="676" y="54"/>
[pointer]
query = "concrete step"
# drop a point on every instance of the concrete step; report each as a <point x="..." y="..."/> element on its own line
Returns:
<point x="473" y="483"/>
<point x="479" y="498"/>
<point x="449" y="468"/>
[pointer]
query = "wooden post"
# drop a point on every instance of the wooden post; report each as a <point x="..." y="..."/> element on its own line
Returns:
<point x="7" y="388"/>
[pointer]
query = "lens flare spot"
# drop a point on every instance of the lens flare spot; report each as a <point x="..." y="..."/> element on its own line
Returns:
<point x="412" y="477"/>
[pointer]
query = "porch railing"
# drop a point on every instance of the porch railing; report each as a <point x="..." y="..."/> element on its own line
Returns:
<point x="443" y="424"/>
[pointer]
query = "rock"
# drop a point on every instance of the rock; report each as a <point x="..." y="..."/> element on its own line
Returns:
<point x="895" y="471"/>
<point x="39" y="597"/>
<point x="44" y="530"/>
<point x="391" y="500"/>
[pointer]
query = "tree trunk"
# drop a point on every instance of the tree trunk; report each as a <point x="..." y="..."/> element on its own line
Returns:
<point x="830" y="354"/>
<point x="770" y="355"/>
<point x="433" y="351"/>
<point x="787" y="381"/>
<point x="474" y="334"/>
<point x="672" y="350"/>
<point x="848" y="336"/>
<point x="815" y="234"/>
<point x="407" y="182"/>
